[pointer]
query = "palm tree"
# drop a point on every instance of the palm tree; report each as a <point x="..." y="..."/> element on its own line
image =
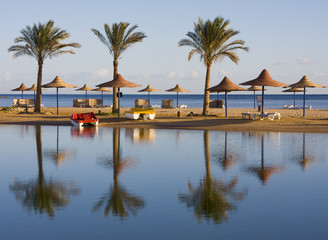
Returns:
<point x="42" y="41"/>
<point x="118" y="38"/>
<point x="210" y="41"/>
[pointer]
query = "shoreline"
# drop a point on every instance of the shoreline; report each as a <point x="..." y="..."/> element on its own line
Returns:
<point x="316" y="120"/>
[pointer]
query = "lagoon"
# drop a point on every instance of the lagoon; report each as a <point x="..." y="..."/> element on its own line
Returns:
<point x="117" y="183"/>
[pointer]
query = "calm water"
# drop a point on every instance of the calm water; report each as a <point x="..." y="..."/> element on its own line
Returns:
<point x="60" y="183"/>
<point x="318" y="101"/>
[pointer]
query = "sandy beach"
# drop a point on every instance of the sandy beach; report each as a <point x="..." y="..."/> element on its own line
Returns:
<point x="316" y="120"/>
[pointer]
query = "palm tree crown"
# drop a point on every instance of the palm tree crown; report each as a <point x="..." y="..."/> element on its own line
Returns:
<point x="41" y="41"/>
<point x="118" y="38"/>
<point x="210" y="40"/>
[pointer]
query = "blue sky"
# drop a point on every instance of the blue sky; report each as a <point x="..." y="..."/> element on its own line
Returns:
<point x="287" y="37"/>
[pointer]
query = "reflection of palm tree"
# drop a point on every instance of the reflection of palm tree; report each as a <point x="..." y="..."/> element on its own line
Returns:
<point x="118" y="200"/>
<point x="213" y="198"/>
<point x="43" y="195"/>
<point x="264" y="172"/>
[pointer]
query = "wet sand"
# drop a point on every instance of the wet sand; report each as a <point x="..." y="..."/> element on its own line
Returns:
<point x="316" y="120"/>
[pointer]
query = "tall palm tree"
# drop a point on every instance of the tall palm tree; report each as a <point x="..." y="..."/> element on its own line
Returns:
<point x="118" y="38"/>
<point x="42" y="41"/>
<point x="210" y="40"/>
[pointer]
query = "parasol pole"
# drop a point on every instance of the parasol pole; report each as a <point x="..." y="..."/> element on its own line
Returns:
<point x="177" y="98"/>
<point x="57" y="99"/>
<point x="304" y="103"/>
<point x="254" y="99"/>
<point x="119" y="103"/>
<point x="262" y="99"/>
<point x="86" y="94"/>
<point x="149" y="98"/>
<point x="102" y="97"/>
<point x="226" y="104"/>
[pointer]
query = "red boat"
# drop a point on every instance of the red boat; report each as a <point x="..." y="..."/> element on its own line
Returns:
<point x="84" y="119"/>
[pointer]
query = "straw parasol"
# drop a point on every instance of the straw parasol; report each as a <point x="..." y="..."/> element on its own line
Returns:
<point x="22" y="87"/>
<point x="304" y="83"/>
<point x="149" y="89"/>
<point x="119" y="82"/>
<point x="255" y="88"/>
<point x="227" y="86"/>
<point x="85" y="88"/>
<point x="102" y="90"/>
<point x="33" y="88"/>
<point x="294" y="90"/>
<point x="177" y="89"/>
<point x="58" y="83"/>
<point x="264" y="79"/>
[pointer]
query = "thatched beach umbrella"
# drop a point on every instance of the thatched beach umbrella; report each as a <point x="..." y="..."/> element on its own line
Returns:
<point x="58" y="83"/>
<point x="102" y="90"/>
<point x="149" y="89"/>
<point x="119" y="82"/>
<point x="33" y="88"/>
<point x="304" y="83"/>
<point x="255" y="88"/>
<point x="177" y="89"/>
<point x="294" y="90"/>
<point x="22" y="87"/>
<point x="85" y="88"/>
<point x="264" y="79"/>
<point x="227" y="86"/>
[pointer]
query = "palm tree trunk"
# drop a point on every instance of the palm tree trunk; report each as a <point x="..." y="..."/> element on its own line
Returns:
<point x="115" y="90"/>
<point x="207" y="93"/>
<point x="37" y="107"/>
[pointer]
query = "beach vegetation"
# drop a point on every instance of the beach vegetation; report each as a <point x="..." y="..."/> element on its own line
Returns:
<point x="118" y="38"/>
<point x="210" y="40"/>
<point x="42" y="41"/>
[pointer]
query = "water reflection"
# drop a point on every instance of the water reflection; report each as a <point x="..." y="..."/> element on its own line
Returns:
<point x="58" y="155"/>
<point x="138" y="135"/>
<point x="118" y="200"/>
<point x="305" y="159"/>
<point x="264" y="172"/>
<point x="227" y="159"/>
<point x="43" y="195"/>
<point x="87" y="132"/>
<point x="213" y="199"/>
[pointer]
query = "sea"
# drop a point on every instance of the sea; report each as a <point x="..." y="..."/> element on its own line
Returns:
<point x="276" y="101"/>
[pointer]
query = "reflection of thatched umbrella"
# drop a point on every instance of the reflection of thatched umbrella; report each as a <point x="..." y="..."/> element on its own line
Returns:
<point x="22" y="87"/>
<point x="85" y="88"/>
<point x="58" y="83"/>
<point x="149" y="89"/>
<point x="254" y="88"/>
<point x="304" y="83"/>
<point x="33" y="88"/>
<point x="119" y="82"/>
<point x="227" y="86"/>
<point x="58" y="156"/>
<point x="264" y="79"/>
<point x="264" y="172"/>
<point x="226" y="160"/>
<point x="102" y="90"/>
<point x="177" y="89"/>
<point x="294" y="90"/>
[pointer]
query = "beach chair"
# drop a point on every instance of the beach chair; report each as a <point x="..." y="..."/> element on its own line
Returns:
<point x="141" y="103"/>
<point x="269" y="116"/>
<point x="167" y="103"/>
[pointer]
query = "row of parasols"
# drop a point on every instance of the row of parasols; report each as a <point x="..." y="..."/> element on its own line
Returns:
<point x="226" y="85"/>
